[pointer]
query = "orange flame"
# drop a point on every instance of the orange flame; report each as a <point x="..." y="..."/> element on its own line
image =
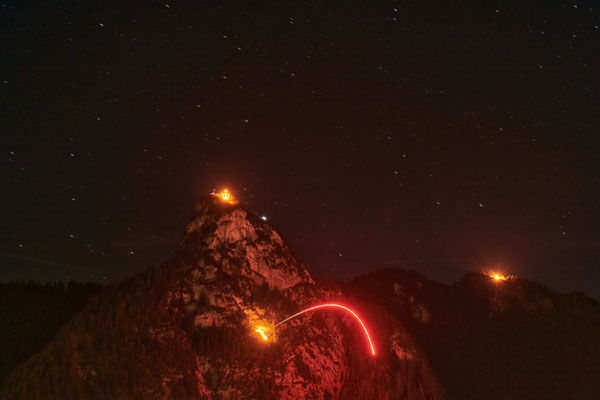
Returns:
<point x="226" y="196"/>
<point x="498" y="277"/>
<point x="263" y="333"/>
<point x="259" y="324"/>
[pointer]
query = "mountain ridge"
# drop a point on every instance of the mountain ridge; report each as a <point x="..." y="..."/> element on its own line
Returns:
<point x="186" y="329"/>
<point x="496" y="339"/>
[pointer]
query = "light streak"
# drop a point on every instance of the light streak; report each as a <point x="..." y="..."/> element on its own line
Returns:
<point x="334" y="306"/>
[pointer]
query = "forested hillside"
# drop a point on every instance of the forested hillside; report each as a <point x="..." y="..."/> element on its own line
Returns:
<point x="491" y="339"/>
<point x="31" y="314"/>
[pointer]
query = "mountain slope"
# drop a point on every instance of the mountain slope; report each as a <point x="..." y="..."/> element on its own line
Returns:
<point x="493" y="339"/>
<point x="187" y="329"/>
<point x="31" y="315"/>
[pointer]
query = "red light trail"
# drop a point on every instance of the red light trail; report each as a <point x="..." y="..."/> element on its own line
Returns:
<point x="335" y="306"/>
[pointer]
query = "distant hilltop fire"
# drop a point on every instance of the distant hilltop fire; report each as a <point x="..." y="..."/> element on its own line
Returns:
<point x="498" y="277"/>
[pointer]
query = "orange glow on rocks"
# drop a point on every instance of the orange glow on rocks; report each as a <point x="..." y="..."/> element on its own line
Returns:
<point x="226" y="196"/>
<point x="257" y="322"/>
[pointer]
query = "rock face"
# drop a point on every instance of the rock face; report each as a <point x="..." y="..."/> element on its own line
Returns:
<point x="188" y="330"/>
<point x="238" y="243"/>
<point x="229" y="254"/>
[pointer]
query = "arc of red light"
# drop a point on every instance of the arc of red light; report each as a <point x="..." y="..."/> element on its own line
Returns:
<point x="336" y="306"/>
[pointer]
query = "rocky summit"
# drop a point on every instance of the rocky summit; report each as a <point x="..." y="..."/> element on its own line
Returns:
<point x="202" y="326"/>
<point x="205" y="325"/>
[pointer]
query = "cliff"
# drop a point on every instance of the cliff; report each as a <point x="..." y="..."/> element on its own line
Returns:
<point x="187" y="329"/>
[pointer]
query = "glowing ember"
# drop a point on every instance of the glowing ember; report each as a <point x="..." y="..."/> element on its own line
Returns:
<point x="261" y="325"/>
<point x="263" y="333"/>
<point x="335" y="306"/>
<point x="226" y="196"/>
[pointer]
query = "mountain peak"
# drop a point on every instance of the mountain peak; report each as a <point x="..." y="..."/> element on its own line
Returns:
<point x="192" y="328"/>
<point x="226" y="237"/>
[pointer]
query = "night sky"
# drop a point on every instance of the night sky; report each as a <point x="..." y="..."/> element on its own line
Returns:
<point x="444" y="137"/>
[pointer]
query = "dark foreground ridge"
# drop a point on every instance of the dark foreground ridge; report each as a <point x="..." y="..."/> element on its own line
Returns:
<point x="187" y="330"/>
<point x="31" y="315"/>
<point x="495" y="340"/>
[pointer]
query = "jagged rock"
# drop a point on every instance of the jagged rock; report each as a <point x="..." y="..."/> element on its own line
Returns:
<point x="400" y="347"/>
<point x="211" y="318"/>
<point x="195" y="331"/>
<point x="419" y="311"/>
<point x="399" y="290"/>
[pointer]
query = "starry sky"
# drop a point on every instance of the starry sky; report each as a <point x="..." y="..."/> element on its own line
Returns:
<point x="444" y="137"/>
